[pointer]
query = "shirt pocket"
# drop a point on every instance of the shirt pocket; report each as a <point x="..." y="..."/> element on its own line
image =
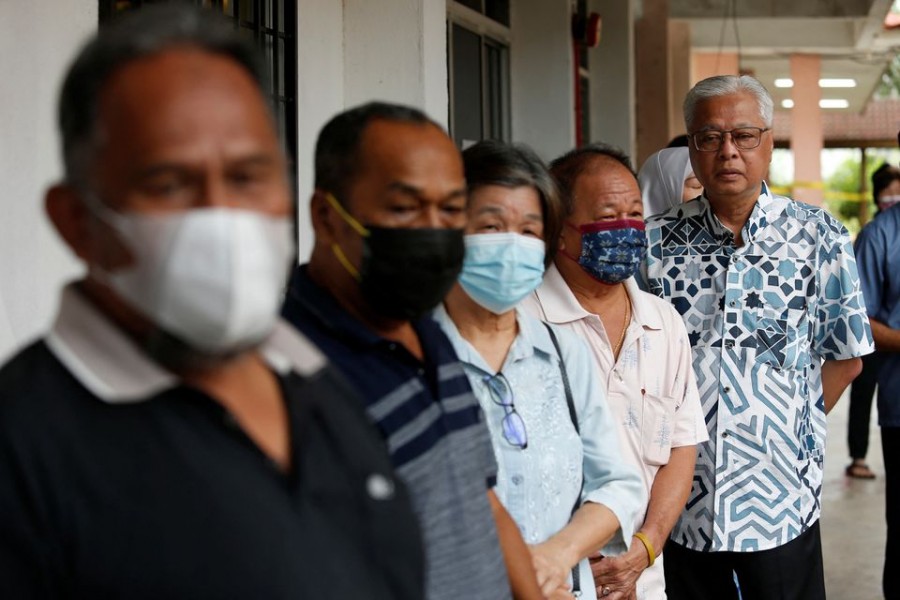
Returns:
<point x="656" y="429"/>
<point x="782" y="337"/>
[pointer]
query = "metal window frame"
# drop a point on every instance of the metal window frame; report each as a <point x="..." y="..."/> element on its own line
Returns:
<point x="492" y="34"/>
<point x="284" y="72"/>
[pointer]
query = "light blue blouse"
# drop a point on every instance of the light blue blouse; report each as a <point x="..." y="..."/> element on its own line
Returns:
<point x="539" y="485"/>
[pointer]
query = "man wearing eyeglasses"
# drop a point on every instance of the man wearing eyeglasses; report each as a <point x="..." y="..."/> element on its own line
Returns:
<point x="769" y="293"/>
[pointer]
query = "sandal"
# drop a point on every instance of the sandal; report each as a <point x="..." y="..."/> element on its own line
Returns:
<point x="859" y="471"/>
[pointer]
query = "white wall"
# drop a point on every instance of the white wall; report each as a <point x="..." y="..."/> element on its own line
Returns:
<point x="355" y="51"/>
<point x="320" y="94"/>
<point x="612" y="76"/>
<point x="37" y="40"/>
<point x="542" y="78"/>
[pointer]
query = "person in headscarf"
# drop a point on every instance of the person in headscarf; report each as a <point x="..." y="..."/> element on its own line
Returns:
<point x="667" y="179"/>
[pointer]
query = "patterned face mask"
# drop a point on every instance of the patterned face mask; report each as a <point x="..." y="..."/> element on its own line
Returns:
<point x="611" y="251"/>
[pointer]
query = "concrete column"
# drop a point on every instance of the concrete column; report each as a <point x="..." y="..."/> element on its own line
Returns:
<point x="653" y="93"/>
<point x="320" y="95"/>
<point x="806" y="128"/>
<point x="612" y="76"/>
<point x="40" y="38"/>
<point x="357" y="51"/>
<point x="679" y="73"/>
<point x="542" y="76"/>
<point x="707" y="64"/>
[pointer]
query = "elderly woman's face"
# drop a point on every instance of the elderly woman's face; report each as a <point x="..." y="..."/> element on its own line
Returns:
<point x="498" y="209"/>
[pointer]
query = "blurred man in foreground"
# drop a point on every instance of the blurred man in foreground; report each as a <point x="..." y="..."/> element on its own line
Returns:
<point x="170" y="437"/>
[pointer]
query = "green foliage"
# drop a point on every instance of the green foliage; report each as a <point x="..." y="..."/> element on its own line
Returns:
<point x="845" y="179"/>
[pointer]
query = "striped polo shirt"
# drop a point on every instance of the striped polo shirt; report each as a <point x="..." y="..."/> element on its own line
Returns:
<point x="436" y="436"/>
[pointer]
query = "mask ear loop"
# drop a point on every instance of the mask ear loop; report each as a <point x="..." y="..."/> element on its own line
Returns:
<point x="357" y="227"/>
<point x="575" y="259"/>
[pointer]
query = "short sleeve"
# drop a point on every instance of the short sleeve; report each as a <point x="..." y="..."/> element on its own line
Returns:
<point x="841" y="327"/>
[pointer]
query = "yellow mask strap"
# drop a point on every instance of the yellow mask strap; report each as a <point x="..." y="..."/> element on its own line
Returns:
<point x="356" y="225"/>
<point x="342" y="258"/>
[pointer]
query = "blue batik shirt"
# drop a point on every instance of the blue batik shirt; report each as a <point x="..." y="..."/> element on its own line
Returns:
<point x="761" y="319"/>
<point x="878" y="252"/>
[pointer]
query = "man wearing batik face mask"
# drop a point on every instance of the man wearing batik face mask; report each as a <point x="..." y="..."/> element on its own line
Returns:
<point x="171" y="437"/>
<point x="388" y="213"/>
<point x="640" y="347"/>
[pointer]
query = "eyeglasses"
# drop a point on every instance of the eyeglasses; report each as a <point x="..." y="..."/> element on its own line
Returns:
<point x="513" y="425"/>
<point x="745" y="138"/>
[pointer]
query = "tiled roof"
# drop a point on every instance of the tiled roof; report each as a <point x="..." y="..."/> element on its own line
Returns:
<point x="879" y="122"/>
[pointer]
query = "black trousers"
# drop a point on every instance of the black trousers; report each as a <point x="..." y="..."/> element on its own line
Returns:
<point x="890" y="445"/>
<point x="862" y="390"/>
<point x="793" y="571"/>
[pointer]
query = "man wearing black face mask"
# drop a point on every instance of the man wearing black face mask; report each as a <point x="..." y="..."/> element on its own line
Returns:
<point x="388" y="212"/>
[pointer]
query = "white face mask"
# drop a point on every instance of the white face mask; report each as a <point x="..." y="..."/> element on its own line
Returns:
<point x="211" y="277"/>
<point x="885" y="202"/>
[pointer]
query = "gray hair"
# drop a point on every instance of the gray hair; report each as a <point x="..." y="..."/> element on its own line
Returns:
<point x="725" y="85"/>
<point x="491" y="162"/>
<point x="147" y="32"/>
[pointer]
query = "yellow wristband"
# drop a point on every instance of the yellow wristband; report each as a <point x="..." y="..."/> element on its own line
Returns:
<point x="651" y="553"/>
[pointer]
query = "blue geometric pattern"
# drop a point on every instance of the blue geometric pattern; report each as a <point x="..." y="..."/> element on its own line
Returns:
<point x="612" y="251"/>
<point x="761" y="318"/>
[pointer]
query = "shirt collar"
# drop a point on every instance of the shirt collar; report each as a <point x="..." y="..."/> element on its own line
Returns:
<point x="559" y="305"/>
<point x="532" y="336"/>
<point x="644" y="313"/>
<point x="316" y="302"/>
<point x="308" y="295"/>
<point x="755" y="223"/>
<point x="112" y="366"/>
<point x="557" y="301"/>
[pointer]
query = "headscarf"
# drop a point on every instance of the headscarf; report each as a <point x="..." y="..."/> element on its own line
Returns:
<point x="662" y="179"/>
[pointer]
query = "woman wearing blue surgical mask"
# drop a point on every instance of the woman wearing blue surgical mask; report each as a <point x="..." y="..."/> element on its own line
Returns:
<point x="561" y="474"/>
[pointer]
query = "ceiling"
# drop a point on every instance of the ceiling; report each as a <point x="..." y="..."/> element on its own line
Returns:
<point x="848" y="34"/>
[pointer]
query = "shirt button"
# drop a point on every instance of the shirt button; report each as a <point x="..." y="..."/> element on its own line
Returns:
<point x="517" y="479"/>
<point x="726" y="389"/>
<point x="724" y="434"/>
<point x="379" y="487"/>
<point x="733" y="303"/>
<point x="392" y="346"/>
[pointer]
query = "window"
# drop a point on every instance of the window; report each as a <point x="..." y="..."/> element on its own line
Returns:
<point x="478" y="69"/>
<point x="271" y="25"/>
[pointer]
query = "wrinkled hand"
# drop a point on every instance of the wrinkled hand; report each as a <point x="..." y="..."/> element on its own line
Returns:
<point x="551" y="570"/>
<point x="619" y="573"/>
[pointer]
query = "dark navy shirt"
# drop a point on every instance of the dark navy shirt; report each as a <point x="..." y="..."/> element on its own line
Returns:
<point x="118" y="481"/>
<point x="878" y="256"/>
<point x="435" y="433"/>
